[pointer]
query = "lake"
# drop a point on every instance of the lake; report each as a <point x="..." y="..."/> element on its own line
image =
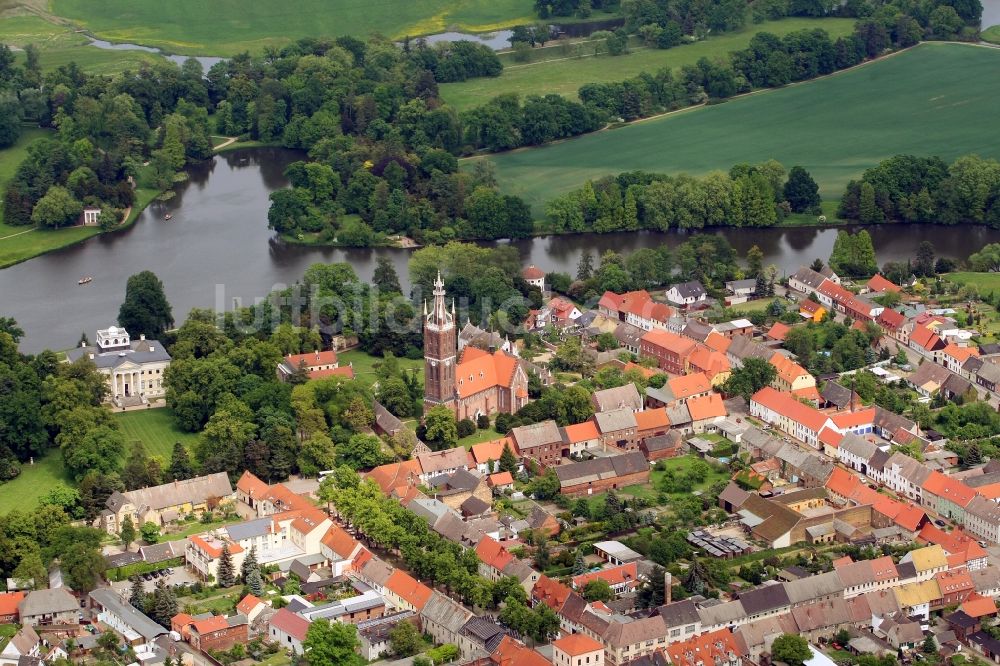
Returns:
<point x="217" y="247"/>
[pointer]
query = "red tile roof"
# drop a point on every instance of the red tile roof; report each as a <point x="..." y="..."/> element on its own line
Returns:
<point x="9" y="602"/>
<point x="492" y="450"/>
<point x="706" y="407"/>
<point x="689" y="385"/>
<point x="785" y="404"/>
<point x="532" y="272"/>
<point x="788" y="370"/>
<point x="208" y="625"/>
<point x="512" y="653"/>
<point x="670" y="342"/>
<point x="778" y="331"/>
<point x="479" y="371"/>
<point x="830" y="437"/>
<point x="890" y="319"/>
<point x="708" y="648"/>
<point x="294" y="625"/>
<point x="247" y="604"/>
<point x="408" y="589"/>
<point x="954" y="543"/>
<point x="312" y="359"/>
<point x="344" y="371"/>
<point x="880" y="285"/>
<point x="810" y="306"/>
<point x="613" y="575"/>
<point x="649" y="419"/>
<point x="252" y="486"/>
<point x="499" y="479"/>
<point x="583" y="432"/>
<point x="576" y="645"/>
<point x="550" y="592"/>
<point x="339" y="541"/>
<point x="848" y="420"/>
<point x="976" y="605"/>
<point x="948" y="488"/>
<point x="395" y="475"/>
<point x="492" y="554"/>
<point x="214" y="549"/>
<point x="926" y="338"/>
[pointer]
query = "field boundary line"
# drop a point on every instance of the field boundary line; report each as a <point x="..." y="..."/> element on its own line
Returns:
<point x="19" y="233"/>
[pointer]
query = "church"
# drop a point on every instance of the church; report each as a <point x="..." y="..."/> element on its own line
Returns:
<point x="474" y="382"/>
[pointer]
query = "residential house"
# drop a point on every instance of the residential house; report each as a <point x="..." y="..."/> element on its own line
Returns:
<point x="167" y="502"/>
<point x="626" y="641"/>
<point x="539" y="441"/>
<point x="315" y="365"/>
<point x="743" y="347"/>
<point x="114" y="611"/>
<point x="563" y="312"/>
<point x="785" y="412"/>
<point x="443" y="618"/>
<point x="651" y="423"/>
<point x="622" y="579"/>
<point x="445" y="462"/>
<point x="927" y="562"/>
<point x="718" y="648"/>
<point x="251" y="607"/>
<point x="790" y="375"/>
<point x="687" y="294"/>
<point x="600" y="474"/>
<point x="879" y="285"/>
<point x="894" y="325"/>
<point x="577" y="650"/>
<point x="288" y="630"/>
<point x="486" y="455"/>
<point x="8" y="606"/>
<point x="982" y="518"/>
<point x="805" y="280"/>
<point x="621" y="397"/>
<point x="670" y="350"/>
<point x="580" y="437"/>
<point x="678" y="390"/>
<point x="947" y="496"/>
<point x="706" y="412"/>
<point x="617" y="428"/>
<point x="22" y="646"/>
<point x="811" y="310"/>
<point x="55" y="606"/>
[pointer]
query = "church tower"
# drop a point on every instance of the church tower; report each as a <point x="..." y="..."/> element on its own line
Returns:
<point x="440" y="350"/>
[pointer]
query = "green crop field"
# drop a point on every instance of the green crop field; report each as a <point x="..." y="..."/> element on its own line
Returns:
<point x="156" y="430"/>
<point x="930" y="100"/>
<point x="60" y="44"/>
<point x="226" y="27"/>
<point x="564" y="75"/>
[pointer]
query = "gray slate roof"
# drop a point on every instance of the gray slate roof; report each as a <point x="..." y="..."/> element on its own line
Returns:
<point x="535" y="435"/>
<point x="196" y="491"/>
<point x="140" y="622"/>
<point x="41" y="602"/>
<point x="615" y="420"/>
<point x="618" y="397"/>
<point x="142" y="351"/>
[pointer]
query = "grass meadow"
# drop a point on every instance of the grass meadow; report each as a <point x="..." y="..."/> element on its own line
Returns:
<point x="156" y="430"/>
<point x="227" y="27"/>
<point x="930" y="100"/>
<point x="562" y="74"/>
<point x="33" y="482"/>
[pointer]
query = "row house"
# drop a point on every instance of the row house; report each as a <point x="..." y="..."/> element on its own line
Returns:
<point x="866" y="575"/>
<point x="678" y="390"/>
<point x="982" y="518"/>
<point x="670" y="350"/>
<point x="713" y="364"/>
<point x="861" y="309"/>
<point x="618" y="428"/>
<point x="905" y="476"/>
<point x="718" y="648"/>
<point x="927" y="562"/>
<point x="786" y="413"/>
<point x="954" y="357"/>
<point x="743" y="347"/>
<point x="894" y="325"/>
<point x="622" y="579"/>
<point x="856" y="452"/>
<point x="805" y="281"/>
<point x="833" y="296"/>
<point x="790" y="376"/>
<point x="961" y="549"/>
<point x="947" y="496"/>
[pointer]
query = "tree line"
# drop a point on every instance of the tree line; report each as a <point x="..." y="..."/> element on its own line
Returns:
<point x="907" y="188"/>
<point x="747" y="196"/>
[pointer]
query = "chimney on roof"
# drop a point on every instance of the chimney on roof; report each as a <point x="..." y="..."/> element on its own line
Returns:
<point x="668" y="583"/>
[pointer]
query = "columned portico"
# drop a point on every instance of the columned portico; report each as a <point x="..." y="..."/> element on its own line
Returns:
<point x="134" y="369"/>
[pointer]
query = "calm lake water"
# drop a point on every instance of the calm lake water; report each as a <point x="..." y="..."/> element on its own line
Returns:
<point x="207" y="62"/>
<point x="217" y="247"/>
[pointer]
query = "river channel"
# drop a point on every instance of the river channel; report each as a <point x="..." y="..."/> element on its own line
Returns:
<point x="217" y="247"/>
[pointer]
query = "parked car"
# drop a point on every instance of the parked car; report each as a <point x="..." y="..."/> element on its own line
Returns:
<point x="940" y="523"/>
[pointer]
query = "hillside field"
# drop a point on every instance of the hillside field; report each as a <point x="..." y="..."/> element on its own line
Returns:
<point x="226" y="27"/>
<point x="556" y="73"/>
<point x="930" y="100"/>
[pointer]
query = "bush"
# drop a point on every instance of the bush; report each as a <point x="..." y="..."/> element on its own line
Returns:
<point x="466" y="427"/>
<point x="483" y="422"/>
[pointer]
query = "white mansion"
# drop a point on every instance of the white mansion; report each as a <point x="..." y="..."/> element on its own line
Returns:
<point x="134" y="368"/>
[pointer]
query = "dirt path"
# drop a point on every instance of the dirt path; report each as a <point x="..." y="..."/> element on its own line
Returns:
<point x="229" y="141"/>
<point x="19" y="233"/>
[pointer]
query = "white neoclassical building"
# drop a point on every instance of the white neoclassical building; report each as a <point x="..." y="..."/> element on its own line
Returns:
<point x="134" y="368"/>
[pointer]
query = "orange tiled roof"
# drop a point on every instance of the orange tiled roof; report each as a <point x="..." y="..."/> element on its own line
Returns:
<point x="890" y="319"/>
<point x="9" y="602"/>
<point x="408" y="589"/>
<point x="212" y="549"/>
<point x="778" y="331"/>
<point x="689" y="385"/>
<point x="583" y="432"/>
<point x="576" y="645"/>
<point x="345" y="371"/>
<point x="394" y="475"/>
<point x="499" y="479"/>
<point x="879" y="284"/>
<point x="339" y="541"/>
<point x="926" y="338"/>
<point x="312" y="359"/>
<point x="952" y="582"/>
<point x="949" y="488"/>
<point x="830" y="437"/>
<point x="785" y="404"/>
<point x="649" y="419"/>
<point x="810" y="306"/>
<point x="669" y="341"/>
<point x="252" y="486"/>
<point x="479" y="371"/>
<point x="492" y="554"/>
<point x="707" y="648"/>
<point x="788" y="370"/>
<point x="550" y="592"/>
<point x="718" y="342"/>
<point x="847" y="420"/>
<point x="210" y="624"/>
<point x="492" y="450"/>
<point x="960" y="354"/>
<point x="708" y="361"/>
<point x="706" y="407"/>
<point x="976" y="605"/>
<point x="613" y="575"/>
<point x="909" y="518"/>
<point x="810" y="393"/>
<point x="247" y="604"/>
<point x="512" y="653"/>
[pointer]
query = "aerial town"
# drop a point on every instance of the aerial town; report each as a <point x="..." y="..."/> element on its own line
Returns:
<point x="499" y="333"/>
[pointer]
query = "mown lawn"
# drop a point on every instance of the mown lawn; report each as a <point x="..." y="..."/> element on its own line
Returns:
<point x="564" y="75"/>
<point x="479" y="437"/>
<point x="33" y="482"/>
<point x="929" y="100"/>
<point x="987" y="283"/>
<point x="227" y="27"/>
<point x="156" y="430"/>
<point x="364" y="365"/>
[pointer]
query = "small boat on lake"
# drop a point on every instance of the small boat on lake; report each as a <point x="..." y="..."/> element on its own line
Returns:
<point x="85" y="280"/>
<point x="167" y="216"/>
